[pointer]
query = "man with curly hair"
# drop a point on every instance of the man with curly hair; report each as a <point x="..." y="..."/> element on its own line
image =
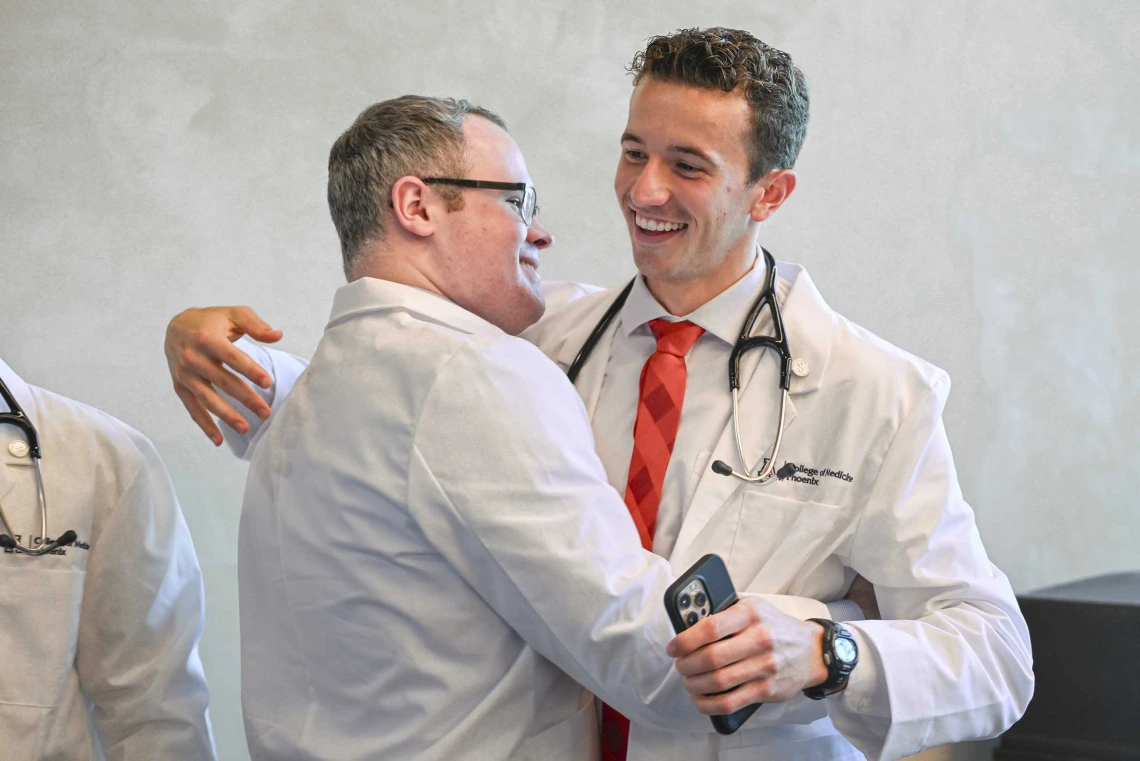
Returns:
<point x="867" y="492"/>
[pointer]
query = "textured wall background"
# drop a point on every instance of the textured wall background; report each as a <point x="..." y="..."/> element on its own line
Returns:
<point x="966" y="191"/>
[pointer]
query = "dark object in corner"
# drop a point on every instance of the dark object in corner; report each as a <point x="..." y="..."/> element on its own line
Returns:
<point x="1086" y="654"/>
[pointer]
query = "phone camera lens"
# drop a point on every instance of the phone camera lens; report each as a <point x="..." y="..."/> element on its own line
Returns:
<point x="692" y="618"/>
<point x="700" y="599"/>
<point x="685" y="600"/>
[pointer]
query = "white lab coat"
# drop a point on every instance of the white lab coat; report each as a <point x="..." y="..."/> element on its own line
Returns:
<point x="431" y="559"/>
<point x="951" y="660"/>
<point x="98" y="641"/>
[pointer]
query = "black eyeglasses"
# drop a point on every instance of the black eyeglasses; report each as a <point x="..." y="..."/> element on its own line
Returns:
<point x="527" y="206"/>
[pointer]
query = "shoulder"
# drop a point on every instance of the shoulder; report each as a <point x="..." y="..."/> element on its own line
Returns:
<point x="507" y="363"/>
<point x="567" y="322"/>
<point x="502" y="382"/>
<point x="859" y="365"/>
<point x="560" y="293"/>
<point x="92" y="443"/>
<point x="878" y="367"/>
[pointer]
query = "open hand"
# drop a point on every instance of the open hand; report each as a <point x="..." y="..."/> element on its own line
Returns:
<point x="199" y="346"/>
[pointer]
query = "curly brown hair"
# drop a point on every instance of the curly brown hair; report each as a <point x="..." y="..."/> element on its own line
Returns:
<point x="725" y="59"/>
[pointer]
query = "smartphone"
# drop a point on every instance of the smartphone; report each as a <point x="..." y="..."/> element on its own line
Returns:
<point x="700" y="592"/>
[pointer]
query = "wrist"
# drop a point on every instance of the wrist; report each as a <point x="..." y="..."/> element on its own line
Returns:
<point x="817" y="673"/>
<point x="840" y="656"/>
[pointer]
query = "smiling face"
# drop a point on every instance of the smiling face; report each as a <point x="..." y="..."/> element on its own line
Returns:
<point x="682" y="182"/>
<point x="488" y="256"/>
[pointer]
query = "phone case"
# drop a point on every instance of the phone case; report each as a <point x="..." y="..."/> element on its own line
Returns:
<point x="711" y="572"/>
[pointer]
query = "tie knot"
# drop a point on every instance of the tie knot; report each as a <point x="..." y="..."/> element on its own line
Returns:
<point x="675" y="338"/>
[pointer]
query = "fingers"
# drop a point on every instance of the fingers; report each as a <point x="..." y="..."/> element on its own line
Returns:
<point x="227" y="353"/>
<point x="253" y="326"/>
<point x="205" y="394"/>
<point x="758" y="691"/>
<point x="759" y="667"/>
<point x="751" y="642"/>
<point x="199" y="414"/>
<point x="195" y="366"/>
<point x="716" y="627"/>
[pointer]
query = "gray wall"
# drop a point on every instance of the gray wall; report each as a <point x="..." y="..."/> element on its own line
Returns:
<point x="966" y="191"/>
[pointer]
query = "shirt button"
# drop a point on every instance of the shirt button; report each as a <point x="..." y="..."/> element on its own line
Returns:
<point x="801" y="367"/>
<point x="18" y="449"/>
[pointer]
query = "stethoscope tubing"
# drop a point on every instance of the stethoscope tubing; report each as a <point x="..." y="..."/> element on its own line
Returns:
<point x="778" y="342"/>
<point x="16" y="416"/>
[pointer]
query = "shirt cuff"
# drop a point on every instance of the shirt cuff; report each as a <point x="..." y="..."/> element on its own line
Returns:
<point x="866" y="692"/>
<point x="845" y="610"/>
<point x="241" y="444"/>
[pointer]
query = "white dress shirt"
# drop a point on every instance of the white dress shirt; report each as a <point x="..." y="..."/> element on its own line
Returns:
<point x="98" y="639"/>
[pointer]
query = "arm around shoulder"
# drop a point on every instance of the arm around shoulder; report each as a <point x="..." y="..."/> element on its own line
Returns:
<point x="284" y="369"/>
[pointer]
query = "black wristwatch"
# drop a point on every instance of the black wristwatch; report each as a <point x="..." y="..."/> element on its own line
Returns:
<point x="840" y="655"/>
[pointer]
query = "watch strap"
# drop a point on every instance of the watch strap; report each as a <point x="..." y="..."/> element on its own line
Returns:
<point x="838" y="671"/>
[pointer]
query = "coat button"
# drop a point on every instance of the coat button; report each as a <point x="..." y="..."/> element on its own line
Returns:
<point x="801" y="367"/>
<point x="18" y="448"/>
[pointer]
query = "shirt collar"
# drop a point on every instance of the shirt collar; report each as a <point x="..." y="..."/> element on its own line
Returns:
<point x="20" y="391"/>
<point x="371" y="295"/>
<point x="721" y="316"/>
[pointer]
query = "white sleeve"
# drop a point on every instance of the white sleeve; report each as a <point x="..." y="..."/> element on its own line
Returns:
<point x="141" y="619"/>
<point x="284" y="369"/>
<point x="951" y="659"/>
<point x="505" y="483"/>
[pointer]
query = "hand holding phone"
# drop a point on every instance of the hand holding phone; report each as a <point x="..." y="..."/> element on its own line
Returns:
<point x="703" y="590"/>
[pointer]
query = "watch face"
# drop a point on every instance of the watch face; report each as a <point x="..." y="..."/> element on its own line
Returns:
<point x="844" y="650"/>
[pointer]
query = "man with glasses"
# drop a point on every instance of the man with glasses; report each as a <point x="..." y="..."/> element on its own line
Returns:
<point x="432" y="564"/>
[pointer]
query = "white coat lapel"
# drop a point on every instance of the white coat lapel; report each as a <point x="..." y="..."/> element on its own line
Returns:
<point x="589" y="383"/>
<point x="810" y="325"/>
<point x="6" y="478"/>
<point x="759" y="411"/>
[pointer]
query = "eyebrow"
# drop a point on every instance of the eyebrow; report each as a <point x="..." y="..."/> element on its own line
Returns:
<point x="689" y="149"/>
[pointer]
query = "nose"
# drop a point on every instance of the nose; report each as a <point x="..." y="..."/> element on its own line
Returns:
<point x="651" y="187"/>
<point x="538" y="236"/>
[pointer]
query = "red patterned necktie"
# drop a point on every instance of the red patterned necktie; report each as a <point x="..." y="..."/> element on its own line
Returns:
<point x="660" y="397"/>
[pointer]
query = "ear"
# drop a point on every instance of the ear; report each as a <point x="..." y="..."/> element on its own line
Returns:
<point x="414" y="206"/>
<point x="771" y="191"/>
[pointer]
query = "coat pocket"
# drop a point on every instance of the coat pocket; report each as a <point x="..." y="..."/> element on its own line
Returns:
<point x="39" y="611"/>
<point x="779" y="540"/>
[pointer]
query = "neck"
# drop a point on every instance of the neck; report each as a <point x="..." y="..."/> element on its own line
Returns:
<point x="685" y="296"/>
<point x="395" y="268"/>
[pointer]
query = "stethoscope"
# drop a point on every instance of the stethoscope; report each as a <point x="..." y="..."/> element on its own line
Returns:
<point x="778" y="341"/>
<point x="17" y="418"/>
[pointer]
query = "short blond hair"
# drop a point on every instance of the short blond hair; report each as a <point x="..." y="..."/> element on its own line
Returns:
<point x="411" y="135"/>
